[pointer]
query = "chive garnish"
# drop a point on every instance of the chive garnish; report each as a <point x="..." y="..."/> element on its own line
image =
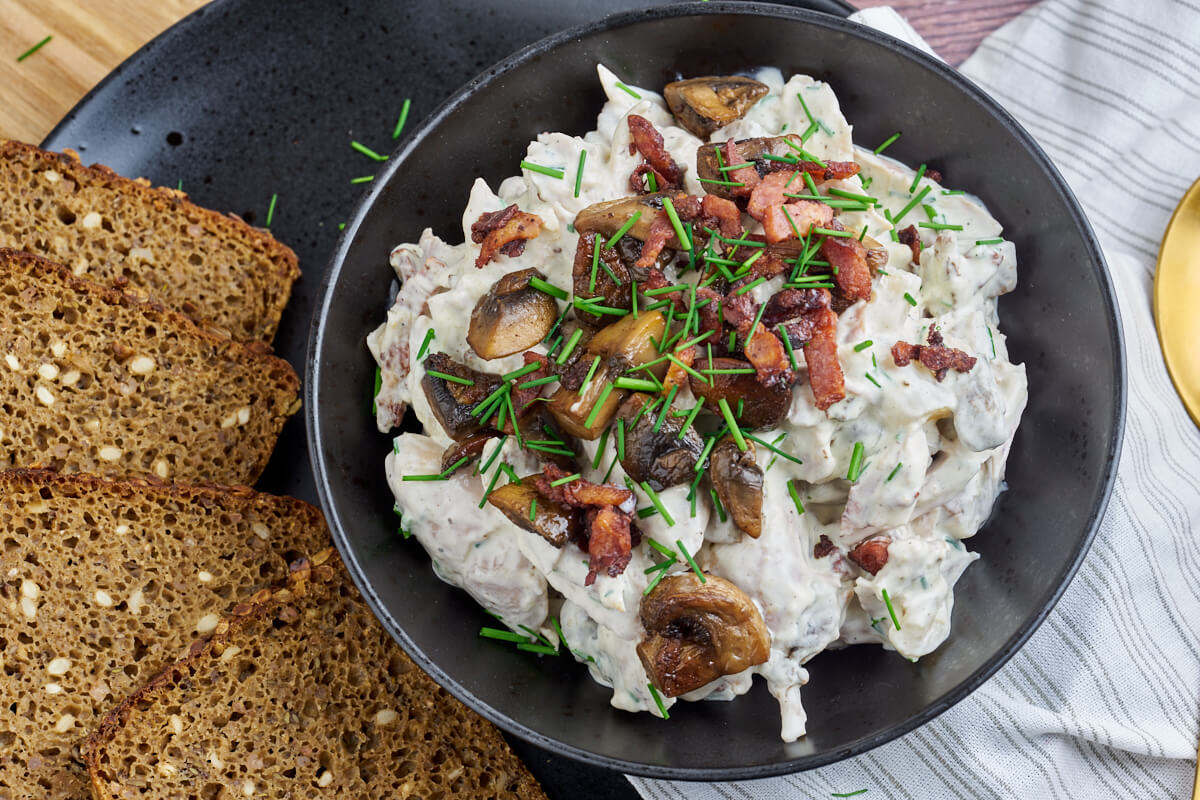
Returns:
<point x="831" y="232"/>
<point x="720" y="183"/>
<point x="666" y="407"/>
<point x="858" y="348"/>
<point x="695" y="341"/>
<point x="795" y="496"/>
<point x="504" y="636"/>
<point x="375" y="394"/>
<point x="717" y="505"/>
<point x="691" y="417"/>
<point x="774" y="448"/>
<point x="988" y="241"/>
<point x="871" y="378"/>
<point x="403" y="118"/>
<point x="787" y="344"/>
<point x="621" y="439"/>
<point x="910" y="299"/>
<point x="366" y="151"/>
<point x="669" y="207"/>
<point x="804" y="105"/>
<point x="862" y="198"/>
<point x="662" y="572"/>
<point x="991" y="339"/>
<point x="569" y="346"/>
<point x="651" y="181"/>
<point x="604" y="393"/>
<point x="530" y="647"/>
<point x="341" y="225"/>
<point x="662" y="548"/>
<point x="441" y="476"/>
<point x="917" y="179"/>
<point x="34" y="49"/>
<point x="627" y="90"/>
<point x="533" y="509"/>
<point x="543" y="448"/>
<point x="525" y="370"/>
<point x="750" y="286"/>
<point x="553" y="172"/>
<point x="742" y="165"/>
<point x="887" y="143"/>
<point x="591" y="373"/>
<point x="538" y="382"/>
<point x="691" y="561"/>
<point x="939" y="226"/>
<point x="734" y="430"/>
<point x="895" y="469"/>
<point x="579" y="170"/>
<point x="548" y="288"/>
<point x="636" y="384"/>
<point x="911" y="205"/>
<point x="856" y="457"/>
<point x="850" y="794"/>
<point x="270" y="208"/>
<point x="363" y="179"/>
<point x="448" y="377"/>
<point x="508" y="470"/>
<point x="621" y="231"/>
<point x="662" y="709"/>
<point x="888" y="602"/>
<point x="688" y="369"/>
<point x="731" y="370"/>
<point x="708" y="446"/>
<point x="654" y="498"/>
<point x="812" y="185"/>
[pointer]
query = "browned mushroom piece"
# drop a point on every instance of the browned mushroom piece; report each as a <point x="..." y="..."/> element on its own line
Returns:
<point x="762" y="406"/>
<point x="663" y="458"/>
<point x="696" y="632"/>
<point x="608" y="217"/>
<point x="470" y="448"/>
<point x="709" y="163"/>
<point x="511" y="317"/>
<point x="704" y="105"/>
<point x="632" y="338"/>
<point x="616" y="293"/>
<point x="452" y="402"/>
<point x="555" y="523"/>
<point x="739" y="484"/>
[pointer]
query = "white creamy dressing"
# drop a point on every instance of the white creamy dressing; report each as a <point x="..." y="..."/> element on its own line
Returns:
<point x="934" y="451"/>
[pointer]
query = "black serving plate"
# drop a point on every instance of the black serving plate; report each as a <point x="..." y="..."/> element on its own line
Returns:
<point x="1061" y="322"/>
<point x="243" y="99"/>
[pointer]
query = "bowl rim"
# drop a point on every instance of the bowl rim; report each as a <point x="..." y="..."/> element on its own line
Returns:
<point x="464" y="94"/>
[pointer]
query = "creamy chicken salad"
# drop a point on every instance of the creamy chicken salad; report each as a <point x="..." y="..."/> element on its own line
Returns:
<point x="704" y="392"/>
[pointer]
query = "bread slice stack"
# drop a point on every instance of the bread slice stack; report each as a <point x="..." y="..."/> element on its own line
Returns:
<point x="300" y="693"/>
<point x="151" y="241"/>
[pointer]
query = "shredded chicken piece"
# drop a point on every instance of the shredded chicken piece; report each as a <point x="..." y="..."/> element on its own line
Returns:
<point x="649" y="142"/>
<point x="504" y="231"/>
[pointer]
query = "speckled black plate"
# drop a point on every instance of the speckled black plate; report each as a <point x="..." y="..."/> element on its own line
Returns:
<point x="245" y="99"/>
<point x="1061" y="321"/>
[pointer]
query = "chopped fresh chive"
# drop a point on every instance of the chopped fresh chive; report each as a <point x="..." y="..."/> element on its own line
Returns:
<point x="604" y="393"/>
<point x="662" y="572"/>
<point x="624" y="229"/>
<point x="341" y="225"/>
<point x="504" y="636"/>
<point x="621" y="440"/>
<point x="491" y="485"/>
<point x="437" y="477"/>
<point x="988" y="241"/>
<point x="708" y="446"/>
<point x="538" y="382"/>
<point x="530" y="647"/>
<point x="34" y="49"/>
<point x="490" y="399"/>
<point x="788" y="159"/>
<point x="888" y="602"/>
<point x="691" y="417"/>
<point x="691" y="561"/>
<point x="910" y="299"/>
<point x="743" y="165"/>
<point x="812" y="185"/>
<point x="403" y="118"/>
<point x="508" y="470"/>
<point x="591" y="373"/>
<point x="662" y="565"/>
<point x="730" y="371"/>
<point x="627" y="90"/>
<point x="734" y="430"/>
<point x="548" y="288"/>
<point x="363" y="179"/>
<point x="567" y="479"/>
<point x="754" y="328"/>
<point x="831" y="232"/>
<point x="887" y="143"/>
<point x="666" y="407"/>
<point x="270" y="209"/>
<point x="991" y="339"/>
<point x="662" y="548"/>
<point x="525" y="370"/>
<point x="569" y="346"/>
<point x="774" y="448"/>
<point x="939" y="226"/>
<point x="744" y="242"/>
<point x="862" y="198"/>
<point x="697" y="340"/>
<point x="717" y="505"/>
<point x="895" y="469"/>
<point x="654" y="498"/>
<point x="787" y="344"/>
<point x="720" y="183"/>
<point x="669" y="207"/>
<point x="651" y="181"/>
<point x="688" y="369"/>
<point x="375" y="394"/>
<point x="533" y="509"/>
<point x="850" y="794"/>
<point x="665" y="289"/>
<point x="636" y="384"/>
<point x="553" y="172"/>
<point x="911" y="205"/>
<point x="579" y="170"/>
<point x="499" y="446"/>
<point x="917" y="179"/>
<point x="366" y="151"/>
<point x="662" y="709"/>
<point x="863" y="233"/>
<point x="812" y="128"/>
<point x="871" y="378"/>
<point x="752" y="284"/>
<point x="954" y="191"/>
<point x="867" y="181"/>
<point x="543" y="448"/>
<point x="448" y="377"/>
<point x="795" y="496"/>
<point x="856" y="457"/>
<point x="858" y="348"/>
<point x="930" y="211"/>
<point x="804" y="105"/>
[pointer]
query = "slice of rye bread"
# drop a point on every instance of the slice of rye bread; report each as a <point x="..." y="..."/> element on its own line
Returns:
<point x="125" y="233"/>
<point x="300" y="693"/>
<point x="103" y="585"/>
<point x="93" y="380"/>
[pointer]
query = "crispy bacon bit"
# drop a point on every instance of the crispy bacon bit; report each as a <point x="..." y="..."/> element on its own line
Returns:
<point x="789" y="304"/>
<point x="656" y="280"/>
<point x="523" y="398"/>
<point x="503" y="231"/>
<point x="722" y="214"/>
<point x="806" y="214"/>
<point x="824" y="370"/>
<point x="766" y="354"/>
<point x="832" y="171"/>
<point x="912" y="238"/>
<point x="649" y="142"/>
<point x="847" y="257"/>
<point x="739" y="310"/>
<point x="677" y="375"/>
<point x="580" y="493"/>
<point x="769" y="192"/>
<point x="747" y="176"/>
<point x="823" y="547"/>
<point x="933" y="175"/>
<point x="871" y="555"/>
<point x="661" y="232"/>
<point x="939" y="359"/>
<point x="710" y="315"/>
<point x="610" y="543"/>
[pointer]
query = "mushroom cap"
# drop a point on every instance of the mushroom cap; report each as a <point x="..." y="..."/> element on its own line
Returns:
<point x="511" y="317"/>
<point x="704" y="105"/>
<point x="739" y="484"/>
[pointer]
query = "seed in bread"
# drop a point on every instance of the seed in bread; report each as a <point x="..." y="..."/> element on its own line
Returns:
<point x="300" y="693"/>
<point x="94" y="380"/>
<point x="101" y="587"/>
<point x="129" y="235"/>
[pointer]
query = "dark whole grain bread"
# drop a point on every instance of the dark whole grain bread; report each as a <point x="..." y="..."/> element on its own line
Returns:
<point x="300" y="693"/>
<point x="127" y="234"/>
<point x="93" y="380"/>
<point x="103" y="585"/>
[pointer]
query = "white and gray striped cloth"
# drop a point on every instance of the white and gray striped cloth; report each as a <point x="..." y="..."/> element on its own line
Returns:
<point x="1104" y="700"/>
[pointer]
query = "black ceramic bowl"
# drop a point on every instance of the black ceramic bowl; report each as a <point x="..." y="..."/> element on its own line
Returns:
<point x="1061" y="322"/>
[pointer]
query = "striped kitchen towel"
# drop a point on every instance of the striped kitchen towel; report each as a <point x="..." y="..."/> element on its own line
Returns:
<point x="1103" y="700"/>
